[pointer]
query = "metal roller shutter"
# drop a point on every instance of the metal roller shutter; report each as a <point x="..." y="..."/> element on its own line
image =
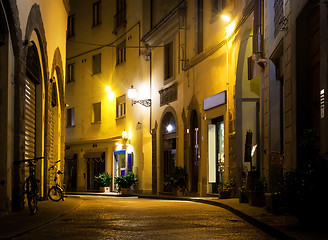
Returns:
<point x="29" y="119"/>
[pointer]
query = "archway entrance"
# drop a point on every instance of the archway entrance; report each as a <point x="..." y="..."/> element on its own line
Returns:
<point x="194" y="146"/>
<point x="169" y="146"/>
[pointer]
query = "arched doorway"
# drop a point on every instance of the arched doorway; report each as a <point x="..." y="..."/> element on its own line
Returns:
<point x="194" y="146"/>
<point x="168" y="131"/>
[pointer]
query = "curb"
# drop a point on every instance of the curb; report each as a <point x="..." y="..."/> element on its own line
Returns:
<point x="272" y="231"/>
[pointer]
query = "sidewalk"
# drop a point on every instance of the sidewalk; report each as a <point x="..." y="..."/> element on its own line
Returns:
<point x="278" y="226"/>
<point x="21" y="222"/>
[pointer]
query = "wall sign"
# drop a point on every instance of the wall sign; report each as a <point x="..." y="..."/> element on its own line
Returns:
<point x="215" y="100"/>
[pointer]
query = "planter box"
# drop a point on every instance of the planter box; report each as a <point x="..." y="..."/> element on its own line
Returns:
<point x="256" y="198"/>
<point x="105" y="189"/>
<point x="181" y="192"/>
<point x="126" y="191"/>
<point x="224" y="194"/>
<point x="243" y="197"/>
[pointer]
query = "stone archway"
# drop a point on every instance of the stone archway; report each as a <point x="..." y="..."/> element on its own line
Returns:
<point x="168" y="145"/>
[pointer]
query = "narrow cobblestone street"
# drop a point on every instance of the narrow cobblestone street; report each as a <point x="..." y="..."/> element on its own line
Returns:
<point x="133" y="218"/>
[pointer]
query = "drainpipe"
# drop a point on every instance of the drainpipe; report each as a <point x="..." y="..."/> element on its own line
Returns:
<point x="258" y="35"/>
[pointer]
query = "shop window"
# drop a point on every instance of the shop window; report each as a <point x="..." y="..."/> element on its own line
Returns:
<point x="70" y="117"/>
<point x="96" y="112"/>
<point x="96" y="13"/>
<point x="96" y="64"/>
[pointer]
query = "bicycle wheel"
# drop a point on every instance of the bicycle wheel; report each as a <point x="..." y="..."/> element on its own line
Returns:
<point x="55" y="194"/>
<point x="32" y="193"/>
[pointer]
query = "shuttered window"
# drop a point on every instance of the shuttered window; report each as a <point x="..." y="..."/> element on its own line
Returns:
<point x="29" y="119"/>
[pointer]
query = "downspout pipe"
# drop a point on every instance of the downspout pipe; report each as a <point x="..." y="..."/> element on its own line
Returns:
<point x="258" y="35"/>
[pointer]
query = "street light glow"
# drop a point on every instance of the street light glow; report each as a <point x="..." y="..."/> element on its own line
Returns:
<point x="225" y="18"/>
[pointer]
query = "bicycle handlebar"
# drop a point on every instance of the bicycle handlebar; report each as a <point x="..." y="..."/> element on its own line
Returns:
<point x="29" y="160"/>
<point x="53" y="166"/>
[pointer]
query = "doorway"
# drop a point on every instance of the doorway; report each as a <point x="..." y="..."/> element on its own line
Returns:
<point x="169" y="147"/>
<point x="216" y="154"/>
<point x="194" y="146"/>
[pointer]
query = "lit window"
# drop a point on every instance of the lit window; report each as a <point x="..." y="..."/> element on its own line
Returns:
<point x="120" y="106"/>
<point x="121" y="53"/>
<point x="96" y="64"/>
<point x="168" y="61"/>
<point x="71" y="26"/>
<point x="70" y="117"/>
<point x="96" y="112"/>
<point x="70" y="72"/>
<point x="96" y="13"/>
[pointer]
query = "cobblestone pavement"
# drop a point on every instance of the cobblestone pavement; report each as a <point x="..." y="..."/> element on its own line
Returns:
<point x="133" y="218"/>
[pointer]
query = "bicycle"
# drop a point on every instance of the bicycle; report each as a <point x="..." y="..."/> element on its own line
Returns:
<point x="31" y="188"/>
<point x="56" y="192"/>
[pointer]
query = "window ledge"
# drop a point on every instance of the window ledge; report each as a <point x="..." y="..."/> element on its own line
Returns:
<point x="99" y="122"/>
<point x="121" y="117"/>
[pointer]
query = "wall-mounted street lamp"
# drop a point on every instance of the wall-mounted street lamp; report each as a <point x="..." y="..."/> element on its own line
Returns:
<point x="110" y="93"/>
<point x="124" y="135"/>
<point x="132" y="94"/>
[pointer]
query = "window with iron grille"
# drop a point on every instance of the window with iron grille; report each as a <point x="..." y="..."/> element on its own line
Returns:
<point x="70" y="73"/>
<point x="278" y="16"/>
<point x="120" y="106"/>
<point x="96" y="112"/>
<point x="96" y="63"/>
<point x="121" y="53"/>
<point x="71" y="26"/>
<point x="168" y="62"/>
<point x="70" y="117"/>
<point x="96" y="13"/>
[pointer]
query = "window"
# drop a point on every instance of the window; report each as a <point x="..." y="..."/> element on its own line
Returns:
<point x="120" y="16"/>
<point x="70" y="117"/>
<point x="218" y="6"/>
<point x="168" y="61"/>
<point x="96" y="64"/>
<point x="120" y="106"/>
<point x="199" y="26"/>
<point x="96" y="112"/>
<point x="71" y="26"/>
<point x="96" y="13"/>
<point x="70" y="73"/>
<point x="121" y="53"/>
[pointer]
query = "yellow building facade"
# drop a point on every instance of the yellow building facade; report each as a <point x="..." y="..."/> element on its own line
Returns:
<point x="205" y="75"/>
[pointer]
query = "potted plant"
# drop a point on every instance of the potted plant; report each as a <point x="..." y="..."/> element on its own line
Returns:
<point x="177" y="181"/>
<point x="125" y="183"/>
<point x="243" y="194"/>
<point x="105" y="181"/>
<point x="256" y="193"/>
<point x="227" y="189"/>
<point x="180" y="177"/>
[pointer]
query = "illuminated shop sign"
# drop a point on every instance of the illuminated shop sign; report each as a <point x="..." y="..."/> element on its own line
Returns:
<point x="215" y="100"/>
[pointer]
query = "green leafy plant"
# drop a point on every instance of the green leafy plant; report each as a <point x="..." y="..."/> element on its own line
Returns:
<point x="178" y="178"/>
<point x="104" y="179"/>
<point x="126" y="181"/>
